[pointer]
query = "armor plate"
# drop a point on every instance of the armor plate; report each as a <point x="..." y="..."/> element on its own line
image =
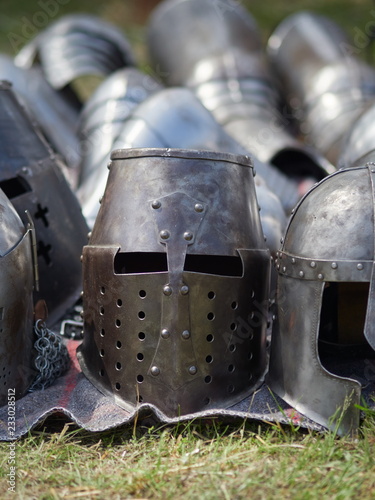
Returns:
<point x="176" y="278"/>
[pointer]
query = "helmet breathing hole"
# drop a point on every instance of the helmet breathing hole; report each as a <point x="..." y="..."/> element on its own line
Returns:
<point x="102" y="290"/>
<point x="118" y="365"/>
<point x="140" y="356"/>
<point x="206" y="401"/>
<point x="101" y="310"/>
<point x="119" y="302"/>
<point x="233" y="326"/>
<point x="250" y="355"/>
<point x="141" y="315"/>
<point x="231" y="368"/>
<point x="141" y="335"/>
<point x="209" y="359"/>
<point x="142" y="294"/>
<point x="210" y="316"/>
<point x="230" y="389"/>
<point x="140" y="398"/>
<point x="232" y="348"/>
<point x="118" y="345"/>
<point x="102" y="332"/>
<point x="140" y="378"/>
<point x="117" y="386"/>
<point x="101" y="372"/>
<point x="234" y="305"/>
<point x="211" y="295"/>
<point x="118" y="323"/>
<point x="210" y="338"/>
<point x="208" y="379"/>
<point x="101" y="353"/>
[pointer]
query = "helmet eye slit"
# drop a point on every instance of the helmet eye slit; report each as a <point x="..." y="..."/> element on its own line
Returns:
<point x="140" y="262"/>
<point x="220" y="265"/>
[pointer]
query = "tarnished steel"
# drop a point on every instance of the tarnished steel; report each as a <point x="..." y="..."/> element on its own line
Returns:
<point x="31" y="178"/>
<point x="16" y="304"/>
<point x="176" y="282"/>
<point x="326" y="84"/>
<point x="172" y="118"/>
<point x="56" y="115"/>
<point x="326" y="297"/>
<point x="104" y="113"/>
<point x="215" y="48"/>
<point x="77" y="45"/>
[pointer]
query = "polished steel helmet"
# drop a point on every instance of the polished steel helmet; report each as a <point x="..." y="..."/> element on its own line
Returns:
<point x="31" y="178"/>
<point x="16" y="303"/>
<point x="325" y="299"/>
<point x="176" y="282"/>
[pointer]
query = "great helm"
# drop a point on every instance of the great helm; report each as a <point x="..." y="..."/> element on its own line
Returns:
<point x="176" y="282"/>
<point x="325" y="297"/>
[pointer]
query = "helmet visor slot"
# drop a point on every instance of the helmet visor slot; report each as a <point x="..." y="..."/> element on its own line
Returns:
<point x="15" y="186"/>
<point x="220" y="265"/>
<point x="342" y="320"/>
<point x="140" y="262"/>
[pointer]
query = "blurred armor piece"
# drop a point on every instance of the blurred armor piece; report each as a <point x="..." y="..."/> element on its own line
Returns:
<point x="56" y="115"/>
<point x="173" y="265"/>
<point x="106" y="110"/>
<point x="226" y="68"/>
<point x="326" y="299"/>
<point x="360" y="139"/>
<point x="16" y="304"/>
<point x="32" y="179"/>
<point x="325" y="83"/>
<point x="174" y="117"/>
<point x="77" y="45"/>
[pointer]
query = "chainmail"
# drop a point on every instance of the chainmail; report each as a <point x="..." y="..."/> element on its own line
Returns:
<point x="52" y="359"/>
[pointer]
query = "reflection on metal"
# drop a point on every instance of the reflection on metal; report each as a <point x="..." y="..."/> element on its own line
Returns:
<point x="76" y="45"/>
<point x="56" y="115"/>
<point x="100" y="123"/>
<point x="329" y="243"/>
<point x="187" y="332"/>
<point x="174" y="117"/>
<point x="31" y="178"/>
<point x="16" y="304"/>
<point x="327" y="86"/>
<point x="215" y="48"/>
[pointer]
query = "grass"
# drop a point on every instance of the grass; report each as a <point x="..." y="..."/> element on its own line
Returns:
<point x="204" y="460"/>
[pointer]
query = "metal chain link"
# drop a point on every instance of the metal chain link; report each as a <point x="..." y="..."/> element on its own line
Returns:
<point x="52" y="359"/>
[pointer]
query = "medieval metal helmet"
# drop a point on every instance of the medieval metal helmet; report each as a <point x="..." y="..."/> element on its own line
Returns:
<point x="16" y="302"/>
<point x="175" y="263"/>
<point x="325" y="299"/>
<point x="32" y="179"/>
